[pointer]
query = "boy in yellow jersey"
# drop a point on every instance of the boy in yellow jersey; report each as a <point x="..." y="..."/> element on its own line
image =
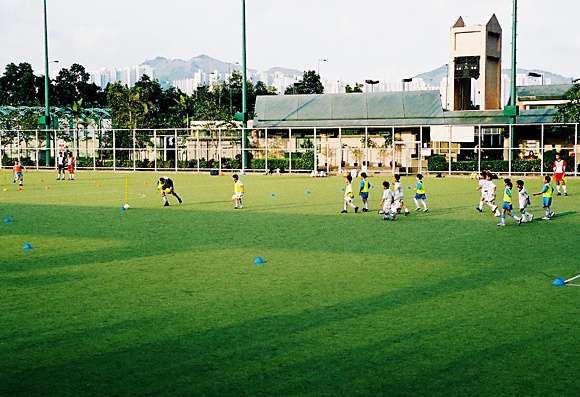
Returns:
<point x="238" y="192"/>
<point x="364" y="188"/>
<point x="420" y="194"/>
<point x="507" y="203"/>
<point x="547" y="195"/>
<point x="348" y="196"/>
<point x="166" y="187"/>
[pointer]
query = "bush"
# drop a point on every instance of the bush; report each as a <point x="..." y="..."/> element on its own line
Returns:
<point x="85" y="162"/>
<point x="464" y="166"/>
<point x="273" y="163"/>
<point x="437" y="163"/>
<point x="305" y="161"/>
<point x="231" y="164"/>
<point x="526" y="166"/>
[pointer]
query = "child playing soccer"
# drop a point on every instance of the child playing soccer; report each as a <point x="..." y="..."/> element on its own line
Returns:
<point x="166" y="187"/>
<point x="348" y="196"/>
<point x="547" y="195"/>
<point x="399" y="196"/>
<point x="524" y="199"/>
<point x="364" y="188"/>
<point x="420" y="195"/>
<point x="60" y="160"/>
<point x="483" y="189"/>
<point x="559" y="168"/>
<point x="507" y="203"/>
<point x="238" y="192"/>
<point x="19" y="174"/>
<point x="70" y="166"/>
<point x="491" y="193"/>
<point x="389" y="209"/>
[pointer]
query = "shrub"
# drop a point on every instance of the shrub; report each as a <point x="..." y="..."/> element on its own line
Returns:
<point x="437" y="163"/>
<point x="260" y="164"/>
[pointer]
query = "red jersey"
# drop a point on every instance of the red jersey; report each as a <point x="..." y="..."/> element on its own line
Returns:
<point x="559" y="166"/>
<point x="18" y="169"/>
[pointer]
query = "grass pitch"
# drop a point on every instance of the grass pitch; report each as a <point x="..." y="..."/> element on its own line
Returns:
<point x="168" y="302"/>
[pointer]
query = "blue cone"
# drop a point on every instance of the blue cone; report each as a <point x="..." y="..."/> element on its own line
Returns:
<point x="273" y="195"/>
<point x="559" y="282"/>
<point x="8" y="220"/>
<point x="27" y="247"/>
<point x="259" y="260"/>
<point x="307" y="192"/>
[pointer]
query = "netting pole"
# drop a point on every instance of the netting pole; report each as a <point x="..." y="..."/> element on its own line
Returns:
<point x="55" y="141"/>
<point x="114" y="152"/>
<point x="366" y="147"/>
<point x="267" y="143"/>
<point x="94" y="151"/>
<point x="420" y="149"/>
<point x="155" y="150"/>
<point x="576" y="151"/>
<point x="220" y="150"/>
<point x="197" y="148"/>
<point x="542" y="151"/>
<point x="18" y="145"/>
<point x="134" y="152"/>
<point x="175" y="147"/>
<point x="393" y="162"/>
<point x="1" y="165"/>
<point x="339" y="149"/>
<point x="36" y="151"/>
<point x="290" y="150"/>
<point x="479" y="152"/>
<point x="315" y="165"/>
<point x="511" y="132"/>
<point x="449" y="150"/>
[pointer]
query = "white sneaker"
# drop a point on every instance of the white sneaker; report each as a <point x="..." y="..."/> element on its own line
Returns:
<point x="545" y="218"/>
<point x="501" y="224"/>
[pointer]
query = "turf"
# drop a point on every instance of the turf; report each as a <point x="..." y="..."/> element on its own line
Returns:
<point x="168" y="302"/>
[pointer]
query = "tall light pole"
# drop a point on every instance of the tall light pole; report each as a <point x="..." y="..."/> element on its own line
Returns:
<point x="405" y="81"/>
<point x="244" y="90"/>
<point x="513" y="95"/>
<point x="537" y="76"/>
<point x="318" y="65"/>
<point x="46" y="81"/>
<point x="372" y="84"/>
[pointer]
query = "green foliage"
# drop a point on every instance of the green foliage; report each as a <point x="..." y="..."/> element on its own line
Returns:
<point x="437" y="163"/>
<point x="570" y="112"/>
<point x="357" y="88"/>
<point x="310" y="84"/>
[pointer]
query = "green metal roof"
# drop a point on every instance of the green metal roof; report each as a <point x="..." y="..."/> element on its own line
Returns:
<point x="537" y="92"/>
<point x="376" y="109"/>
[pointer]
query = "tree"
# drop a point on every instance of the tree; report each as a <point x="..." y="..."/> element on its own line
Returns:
<point x="310" y="84"/>
<point x="570" y="112"/>
<point x="262" y="89"/>
<point x="356" y="89"/>
<point x="17" y="86"/>
<point x="71" y="85"/>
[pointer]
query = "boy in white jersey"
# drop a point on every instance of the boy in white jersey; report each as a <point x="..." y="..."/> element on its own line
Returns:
<point x="399" y="196"/>
<point x="348" y="196"/>
<point x="491" y="192"/>
<point x="482" y="188"/>
<point x="389" y="210"/>
<point x="559" y="168"/>
<point x="524" y="199"/>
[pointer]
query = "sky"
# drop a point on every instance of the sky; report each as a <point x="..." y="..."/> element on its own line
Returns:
<point x="379" y="39"/>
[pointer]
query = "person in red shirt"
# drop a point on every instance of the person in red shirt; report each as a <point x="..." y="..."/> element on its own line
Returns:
<point x="559" y="168"/>
<point x="19" y="174"/>
<point x="70" y="166"/>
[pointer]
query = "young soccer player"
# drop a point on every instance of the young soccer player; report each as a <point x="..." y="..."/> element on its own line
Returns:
<point x="239" y="190"/>
<point x="166" y="187"/>
<point x="70" y="166"/>
<point x="19" y="174"/>
<point x="389" y="209"/>
<point x="420" y="195"/>
<point x="524" y="199"/>
<point x="491" y="190"/>
<point x="482" y="188"/>
<point x="547" y="195"/>
<point x="348" y="196"/>
<point x="364" y="188"/>
<point x="507" y="203"/>
<point x="399" y="196"/>
<point x="60" y="161"/>
<point x="559" y="168"/>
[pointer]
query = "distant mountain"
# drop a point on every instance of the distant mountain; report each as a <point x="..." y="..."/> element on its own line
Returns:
<point x="435" y="76"/>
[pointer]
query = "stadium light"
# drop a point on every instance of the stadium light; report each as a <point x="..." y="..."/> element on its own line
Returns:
<point x="244" y="90"/>
<point x="405" y="81"/>
<point x="318" y="65"/>
<point x="46" y="82"/>
<point x="372" y="84"/>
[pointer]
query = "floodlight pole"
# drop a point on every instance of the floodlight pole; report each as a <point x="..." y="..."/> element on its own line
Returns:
<point x="244" y="90"/>
<point x="46" y="82"/>
<point x="514" y="57"/>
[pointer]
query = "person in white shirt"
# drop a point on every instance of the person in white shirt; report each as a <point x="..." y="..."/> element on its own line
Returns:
<point x="524" y="200"/>
<point x="389" y="209"/>
<point x="491" y="192"/>
<point x="482" y="188"/>
<point x="559" y="168"/>
<point x="399" y="196"/>
<point x="60" y="163"/>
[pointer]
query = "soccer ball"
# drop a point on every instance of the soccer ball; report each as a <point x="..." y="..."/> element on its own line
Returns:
<point x="126" y="206"/>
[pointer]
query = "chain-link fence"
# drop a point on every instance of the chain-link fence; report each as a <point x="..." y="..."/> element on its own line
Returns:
<point x="516" y="149"/>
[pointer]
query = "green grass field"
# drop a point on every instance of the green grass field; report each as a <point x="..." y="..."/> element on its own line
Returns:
<point x="168" y="302"/>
